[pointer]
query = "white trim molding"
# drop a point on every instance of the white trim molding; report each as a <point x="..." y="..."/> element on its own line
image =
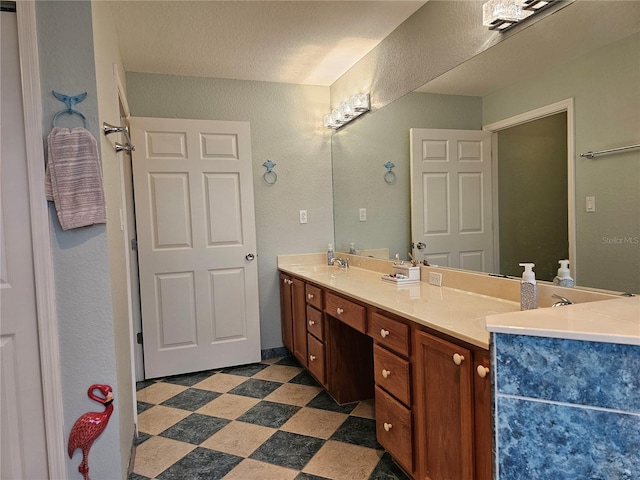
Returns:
<point x="42" y="253"/>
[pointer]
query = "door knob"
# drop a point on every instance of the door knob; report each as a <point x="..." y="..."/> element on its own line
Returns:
<point x="250" y="256"/>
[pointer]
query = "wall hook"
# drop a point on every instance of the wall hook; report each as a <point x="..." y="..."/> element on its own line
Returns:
<point x="70" y="102"/>
<point x="389" y="176"/>
<point x="270" y="177"/>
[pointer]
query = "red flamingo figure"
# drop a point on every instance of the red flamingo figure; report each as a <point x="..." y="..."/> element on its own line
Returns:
<point x="90" y="425"/>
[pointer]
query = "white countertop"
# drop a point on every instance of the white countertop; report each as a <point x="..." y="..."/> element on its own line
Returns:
<point x="453" y="312"/>
<point x="609" y="321"/>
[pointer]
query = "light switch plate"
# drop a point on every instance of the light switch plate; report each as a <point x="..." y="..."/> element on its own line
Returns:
<point x="363" y="214"/>
<point x="590" y="204"/>
<point x="303" y="216"/>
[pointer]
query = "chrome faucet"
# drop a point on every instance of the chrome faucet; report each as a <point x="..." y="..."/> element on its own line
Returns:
<point x="561" y="301"/>
<point x="341" y="262"/>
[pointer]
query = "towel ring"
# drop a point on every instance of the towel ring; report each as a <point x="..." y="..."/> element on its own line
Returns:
<point x="70" y="102"/>
<point x="270" y="177"/>
<point x="389" y="176"/>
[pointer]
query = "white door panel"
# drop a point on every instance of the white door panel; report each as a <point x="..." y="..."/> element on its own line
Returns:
<point x="451" y="198"/>
<point x="196" y="226"/>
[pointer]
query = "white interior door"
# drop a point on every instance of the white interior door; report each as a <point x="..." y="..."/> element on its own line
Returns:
<point x="451" y="209"/>
<point x="196" y="244"/>
<point x="22" y="428"/>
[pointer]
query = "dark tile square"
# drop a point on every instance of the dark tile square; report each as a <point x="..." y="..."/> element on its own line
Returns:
<point x="135" y="476"/>
<point x="269" y="414"/>
<point x="289" y="361"/>
<point x="189" y="379"/>
<point x="304" y="378"/>
<point x="308" y="476"/>
<point x="142" y="406"/>
<point x="201" y="464"/>
<point x="141" y="438"/>
<point x="195" y="428"/>
<point x="357" y="431"/>
<point x="288" y="450"/>
<point x="387" y="469"/>
<point x="246" y="370"/>
<point x="191" y="399"/>
<point x="323" y="401"/>
<point x="255" y="388"/>
<point x="144" y="384"/>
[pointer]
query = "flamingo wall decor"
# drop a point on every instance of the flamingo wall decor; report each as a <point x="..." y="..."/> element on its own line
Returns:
<point x="90" y="425"/>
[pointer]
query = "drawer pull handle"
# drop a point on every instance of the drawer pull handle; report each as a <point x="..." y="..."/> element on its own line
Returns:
<point x="312" y="357"/>
<point x="384" y="333"/>
<point x="457" y="358"/>
<point x="482" y="371"/>
<point x="386" y="373"/>
<point x="340" y="310"/>
<point x="312" y="323"/>
<point x="310" y="296"/>
<point x="387" y="426"/>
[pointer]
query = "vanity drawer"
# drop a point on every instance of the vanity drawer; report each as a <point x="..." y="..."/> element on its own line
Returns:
<point x="390" y="333"/>
<point x="392" y="373"/>
<point x="347" y="312"/>
<point x="315" y="350"/>
<point x="314" y="322"/>
<point x="314" y="296"/>
<point x="393" y="428"/>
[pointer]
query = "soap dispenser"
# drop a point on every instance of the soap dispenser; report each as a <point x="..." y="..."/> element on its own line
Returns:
<point x="528" y="288"/>
<point x="563" y="279"/>
<point x="330" y="254"/>
<point x="352" y="248"/>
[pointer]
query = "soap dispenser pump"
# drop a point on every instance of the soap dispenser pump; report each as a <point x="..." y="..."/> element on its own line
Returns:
<point x="528" y="288"/>
<point x="563" y="279"/>
<point x="330" y="254"/>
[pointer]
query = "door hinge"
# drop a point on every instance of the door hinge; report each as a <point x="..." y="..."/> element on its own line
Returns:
<point x="134" y="244"/>
<point x="139" y="338"/>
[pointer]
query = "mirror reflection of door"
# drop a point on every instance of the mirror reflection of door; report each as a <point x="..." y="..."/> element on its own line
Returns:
<point x="532" y="196"/>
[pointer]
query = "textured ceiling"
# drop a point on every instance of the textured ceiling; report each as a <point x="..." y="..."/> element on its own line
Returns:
<point x="302" y="42"/>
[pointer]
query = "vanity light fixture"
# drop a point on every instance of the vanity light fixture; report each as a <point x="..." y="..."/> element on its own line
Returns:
<point x="503" y="14"/>
<point x="347" y="111"/>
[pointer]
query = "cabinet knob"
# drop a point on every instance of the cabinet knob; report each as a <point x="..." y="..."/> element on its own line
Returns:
<point x="312" y="357"/>
<point x="340" y="310"/>
<point x="312" y="323"/>
<point x="310" y="296"/>
<point x="384" y="333"/>
<point x="482" y="371"/>
<point x="387" y="426"/>
<point x="386" y="373"/>
<point x="457" y="358"/>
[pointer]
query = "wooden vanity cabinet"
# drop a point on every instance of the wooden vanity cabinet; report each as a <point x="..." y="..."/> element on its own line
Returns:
<point x="315" y="332"/>
<point x="483" y="429"/>
<point x="286" y="310"/>
<point x="299" y="322"/>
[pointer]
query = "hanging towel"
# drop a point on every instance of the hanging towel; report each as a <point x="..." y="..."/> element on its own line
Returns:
<point x="74" y="178"/>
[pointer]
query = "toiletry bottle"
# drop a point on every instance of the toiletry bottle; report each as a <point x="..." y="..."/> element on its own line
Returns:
<point x="330" y="254"/>
<point x="564" y="275"/>
<point x="528" y="288"/>
<point x="352" y="248"/>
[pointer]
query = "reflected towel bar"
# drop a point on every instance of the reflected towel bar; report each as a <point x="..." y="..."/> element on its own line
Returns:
<point x="602" y="152"/>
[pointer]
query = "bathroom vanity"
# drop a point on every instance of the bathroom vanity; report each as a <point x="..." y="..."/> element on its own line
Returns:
<point x="420" y="350"/>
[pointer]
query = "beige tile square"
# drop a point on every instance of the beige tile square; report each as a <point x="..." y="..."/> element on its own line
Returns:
<point x="159" y="418"/>
<point x="221" y="382"/>
<point x="228" y="406"/>
<point x="239" y="438"/>
<point x="278" y="373"/>
<point x="256" y="470"/>
<point x="159" y="392"/>
<point x="314" y="422"/>
<point x="365" y="409"/>
<point x="271" y="361"/>
<point x="157" y="454"/>
<point x="342" y="461"/>
<point x="293" y="394"/>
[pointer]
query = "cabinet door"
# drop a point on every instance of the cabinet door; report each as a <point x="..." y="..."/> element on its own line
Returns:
<point x="299" y="308"/>
<point x="444" y="409"/>
<point x="286" y="313"/>
<point x="483" y="434"/>
<point x="393" y="428"/>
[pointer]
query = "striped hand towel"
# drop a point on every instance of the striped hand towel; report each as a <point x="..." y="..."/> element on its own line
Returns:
<point x="74" y="178"/>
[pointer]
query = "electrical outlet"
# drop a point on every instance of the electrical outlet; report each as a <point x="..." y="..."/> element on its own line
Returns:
<point x="435" y="279"/>
<point x="303" y="216"/>
<point x="363" y="214"/>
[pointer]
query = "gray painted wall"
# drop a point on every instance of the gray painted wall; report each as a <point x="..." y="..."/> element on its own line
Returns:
<point x="286" y="127"/>
<point x="83" y="295"/>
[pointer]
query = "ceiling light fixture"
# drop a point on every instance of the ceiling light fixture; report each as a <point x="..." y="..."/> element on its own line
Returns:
<point x="503" y="14"/>
<point x="347" y="111"/>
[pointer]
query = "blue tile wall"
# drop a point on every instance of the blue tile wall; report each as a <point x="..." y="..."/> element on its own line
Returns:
<point x="565" y="409"/>
<point x="587" y="373"/>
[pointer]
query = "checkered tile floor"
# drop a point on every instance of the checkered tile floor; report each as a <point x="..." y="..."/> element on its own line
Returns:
<point x="264" y="421"/>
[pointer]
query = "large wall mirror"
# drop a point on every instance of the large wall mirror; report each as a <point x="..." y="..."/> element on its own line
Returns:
<point x="593" y="64"/>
